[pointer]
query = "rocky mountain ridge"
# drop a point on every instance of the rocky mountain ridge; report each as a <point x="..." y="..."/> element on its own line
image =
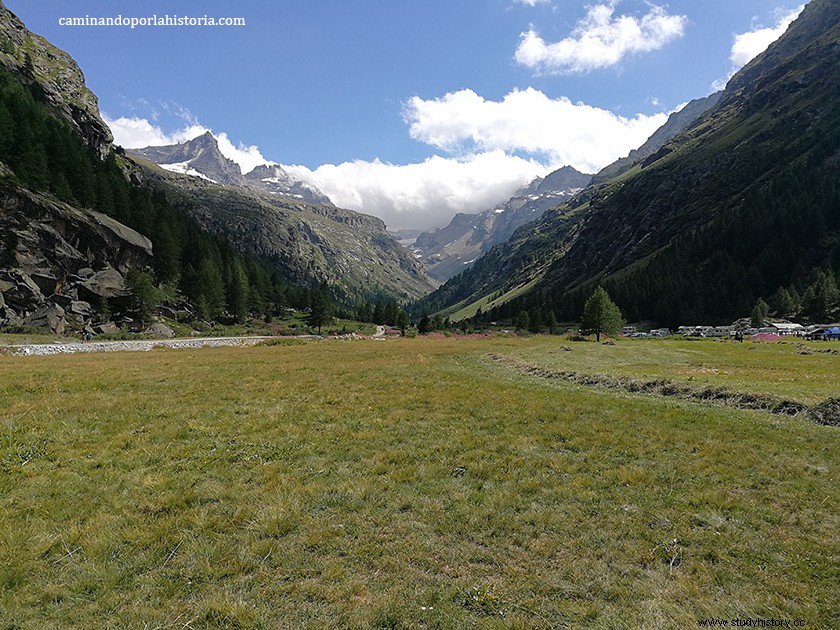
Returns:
<point x="68" y="197"/>
<point x="201" y="157"/>
<point x="449" y="250"/>
<point x="283" y="221"/>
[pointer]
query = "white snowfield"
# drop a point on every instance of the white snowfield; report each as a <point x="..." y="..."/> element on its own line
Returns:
<point x="132" y="346"/>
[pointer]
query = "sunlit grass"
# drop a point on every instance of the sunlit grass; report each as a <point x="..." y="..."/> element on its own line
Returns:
<point x="410" y="483"/>
<point x="793" y="369"/>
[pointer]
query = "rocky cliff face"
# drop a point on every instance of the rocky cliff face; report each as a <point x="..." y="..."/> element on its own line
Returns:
<point x="58" y="262"/>
<point x="273" y="179"/>
<point x="34" y="60"/>
<point x="199" y="157"/>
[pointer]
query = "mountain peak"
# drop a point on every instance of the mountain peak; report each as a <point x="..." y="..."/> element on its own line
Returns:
<point x="200" y="157"/>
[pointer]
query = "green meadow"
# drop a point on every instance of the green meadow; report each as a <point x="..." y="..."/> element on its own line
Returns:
<point x="415" y="483"/>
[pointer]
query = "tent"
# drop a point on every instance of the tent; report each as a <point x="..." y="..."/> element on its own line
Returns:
<point x="832" y="333"/>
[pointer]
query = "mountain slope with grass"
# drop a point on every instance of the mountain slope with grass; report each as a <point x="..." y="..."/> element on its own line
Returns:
<point x="350" y="251"/>
<point x="742" y="204"/>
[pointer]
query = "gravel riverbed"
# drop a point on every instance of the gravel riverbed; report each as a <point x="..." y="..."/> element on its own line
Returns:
<point x="131" y="346"/>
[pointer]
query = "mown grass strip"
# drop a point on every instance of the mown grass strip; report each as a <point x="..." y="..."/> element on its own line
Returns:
<point x="666" y="387"/>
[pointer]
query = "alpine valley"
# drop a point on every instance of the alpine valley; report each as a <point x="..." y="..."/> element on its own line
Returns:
<point x="733" y="200"/>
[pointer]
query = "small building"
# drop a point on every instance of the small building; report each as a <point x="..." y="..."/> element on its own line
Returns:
<point x="721" y="331"/>
<point x="786" y="328"/>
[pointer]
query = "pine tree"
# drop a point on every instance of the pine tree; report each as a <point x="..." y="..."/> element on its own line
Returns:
<point x="209" y="291"/>
<point x="759" y="313"/>
<point x="424" y="325"/>
<point x="143" y="296"/>
<point x="782" y="302"/>
<point x="600" y="315"/>
<point x="403" y="321"/>
<point x="820" y="297"/>
<point x="320" y="308"/>
<point x="551" y="322"/>
<point x="523" y="321"/>
<point x="238" y="292"/>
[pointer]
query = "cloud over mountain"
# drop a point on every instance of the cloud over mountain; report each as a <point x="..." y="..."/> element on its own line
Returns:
<point x="747" y="46"/>
<point x="555" y="129"/>
<point x="137" y="133"/>
<point x="426" y="194"/>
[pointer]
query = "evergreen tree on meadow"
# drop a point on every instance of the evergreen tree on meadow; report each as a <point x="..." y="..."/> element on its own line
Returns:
<point x="403" y="321"/>
<point x="425" y="325"/>
<point x="600" y="315"/>
<point x="320" y="308"/>
<point x="523" y="321"/>
<point x="759" y="314"/>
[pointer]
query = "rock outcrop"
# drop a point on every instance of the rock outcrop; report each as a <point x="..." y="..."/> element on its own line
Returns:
<point x="55" y="260"/>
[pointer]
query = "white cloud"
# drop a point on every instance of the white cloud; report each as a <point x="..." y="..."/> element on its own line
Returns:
<point x="600" y="40"/>
<point x="480" y="139"/>
<point x="137" y="133"/>
<point x="558" y="130"/>
<point x="248" y="157"/>
<point x="532" y="3"/>
<point x="747" y="46"/>
<point x="423" y="195"/>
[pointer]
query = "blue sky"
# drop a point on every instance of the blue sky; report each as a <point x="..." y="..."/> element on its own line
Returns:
<point x="410" y="110"/>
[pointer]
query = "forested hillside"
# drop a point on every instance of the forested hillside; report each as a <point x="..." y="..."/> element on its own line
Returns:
<point x="742" y="206"/>
<point x="45" y="154"/>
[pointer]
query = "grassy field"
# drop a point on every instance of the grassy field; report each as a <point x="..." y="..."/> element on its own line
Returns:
<point x="413" y="483"/>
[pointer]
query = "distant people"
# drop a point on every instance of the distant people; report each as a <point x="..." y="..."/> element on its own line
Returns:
<point x="739" y="337"/>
